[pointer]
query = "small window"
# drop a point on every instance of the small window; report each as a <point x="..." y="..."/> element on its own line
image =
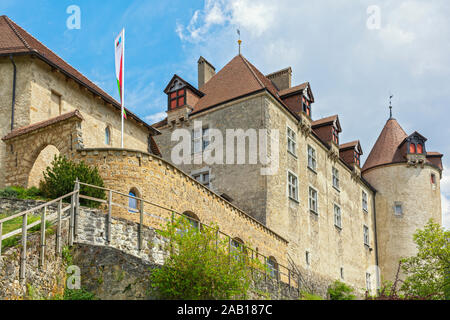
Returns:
<point x="200" y="139"/>
<point x="412" y="148"/>
<point x="342" y="273"/>
<point x="419" y="148"/>
<point x="364" y="201"/>
<point x="292" y="186"/>
<point x="308" y="258"/>
<point x="306" y="107"/>
<point x="273" y="267"/>
<point x="433" y="178"/>
<point x="192" y="219"/>
<point x="291" y="141"/>
<point x="398" y="209"/>
<point x="357" y="159"/>
<point x="177" y="98"/>
<point x="368" y="282"/>
<point x="313" y="200"/>
<point x="132" y="202"/>
<point x="237" y="248"/>
<point x="203" y="178"/>
<point x="337" y="217"/>
<point x="107" y="136"/>
<point x="335" y="178"/>
<point x="335" y="134"/>
<point x="366" y="235"/>
<point x="312" y="161"/>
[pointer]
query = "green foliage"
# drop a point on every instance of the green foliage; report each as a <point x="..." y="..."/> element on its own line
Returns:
<point x="340" y="291"/>
<point x="309" y="296"/>
<point x="59" y="179"/>
<point x="21" y="193"/>
<point x="81" y="294"/>
<point x="428" y="273"/>
<point x="67" y="255"/>
<point x="16" y="224"/>
<point x="199" y="266"/>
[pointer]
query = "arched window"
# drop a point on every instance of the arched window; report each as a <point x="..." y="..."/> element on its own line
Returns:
<point x="192" y="218"/>
<point x="107" y="136"/>
<point x="273" y="267"/>
<point x="132" y="202"/>
<point x="412" y="148"/>
<point x="419" y="148"/>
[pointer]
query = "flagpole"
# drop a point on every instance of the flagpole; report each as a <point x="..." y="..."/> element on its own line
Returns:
<point x="123" y="85"/>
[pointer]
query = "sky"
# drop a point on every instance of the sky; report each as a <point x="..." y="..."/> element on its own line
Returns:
<point x="353" y="53"/>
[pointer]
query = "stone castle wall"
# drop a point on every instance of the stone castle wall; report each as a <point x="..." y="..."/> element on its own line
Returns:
<point x="420" y="200"/>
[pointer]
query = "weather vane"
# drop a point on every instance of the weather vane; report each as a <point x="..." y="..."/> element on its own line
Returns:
<point x="390" y="104"/>
<point x="239" y="41"/>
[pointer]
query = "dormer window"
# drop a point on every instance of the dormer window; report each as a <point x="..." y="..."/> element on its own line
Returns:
<point x="306" y="107"/>
<point x="357" y="159"/>
<point x="177" y="98"/>
<point x="415" y="143"/>
<point x="412" y="148"/>
<point x="335" y="134"/>
<point x="419" y="148"/>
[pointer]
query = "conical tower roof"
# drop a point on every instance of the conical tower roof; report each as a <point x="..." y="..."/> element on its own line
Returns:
<point x="385" y="150"/>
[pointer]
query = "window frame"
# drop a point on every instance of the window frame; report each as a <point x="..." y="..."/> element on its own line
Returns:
<point x="108" y="135"/>
<point x="313" y="157"/>
<point x="335" y="177"/>
<point x="366" y="233"/>
<point x="365" y="202"/>
<point x="289" y="174"/>
<point x="316" y="200"/>
<point x="336" y="214"/>
<point x="203" y="138"/>
<point x="396" y="205"/>
<point x="368" y="282"/>
<point x="177" y="97"/>
<point x="335" y="135"/>
<point x="202" y="174"/>
<point x="291" y="140"/>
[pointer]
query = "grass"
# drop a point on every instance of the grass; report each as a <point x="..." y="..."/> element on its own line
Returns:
<point x="22" y="193"/>
<point x="15" y="224"/>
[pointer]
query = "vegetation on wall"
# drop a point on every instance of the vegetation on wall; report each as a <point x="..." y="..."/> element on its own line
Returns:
<point x="200" y="265"/>
<point x="59" y="179"/>
<point x="21" y="193"/>
<point x="340" y="291"/>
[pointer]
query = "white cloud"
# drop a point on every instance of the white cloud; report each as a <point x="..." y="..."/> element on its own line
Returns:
<point x="153" y="118"/>
<point x="445" y="191"/>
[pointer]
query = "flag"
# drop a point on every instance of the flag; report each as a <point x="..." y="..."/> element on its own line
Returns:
<point x="119" y="45"/>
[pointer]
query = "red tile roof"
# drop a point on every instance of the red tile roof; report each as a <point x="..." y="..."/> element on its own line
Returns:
<point x="39" y="125"/>
<point x="385" y="150"/>
<point x="295" y="89"/>
<point x="15" y="40"/>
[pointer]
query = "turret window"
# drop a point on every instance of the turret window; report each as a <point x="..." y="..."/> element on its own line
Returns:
<point x="419" y="148"/>
<point x="433" y="179"/>
<point x="412" y="148"/>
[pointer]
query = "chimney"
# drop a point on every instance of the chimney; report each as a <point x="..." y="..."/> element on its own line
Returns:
<point x="205" y="72"/>
<point x="281" y="79"/>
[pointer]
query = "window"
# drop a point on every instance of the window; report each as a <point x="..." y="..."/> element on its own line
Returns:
<point x="291" y="141"/>
<point x="357" y="158"/>
<point x="192" y="219"/>
<point x="412" y="148"/>
<point x="307" y="257"/>
<point x="237" y="248"/>
<point x="342" y="273"/>
<point x="419" y="148"/>
<point x="368" y="282"/>
<point x="200" y="139"/>
<point x="55" y="106"/>
<point x="312" y="162"/>
<point x="366" y="235"/>
<point x="177" y="98"/>
<point x="433" y="179"/>
<point x="132" y="202"/>
<point x="364" y="201"/>
<point x="335" y="178"/>
<point x="313" y="200"/>
<point x="337" y="217"/>
<point x="335" y="135"/>
<point x="292" y="186"/>
<point x="306" y="107"/>
<point x="203" y="178"/>
<point x="107" y="136"/>
<point x="273" y="267"/>
<point x="398" y="209"/>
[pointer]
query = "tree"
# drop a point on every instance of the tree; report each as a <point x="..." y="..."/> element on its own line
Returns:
<point x="427" y="274"/>
<point x="340" y="291"/>
<point x="59" y="180"/>
<point x="200" y="265"/>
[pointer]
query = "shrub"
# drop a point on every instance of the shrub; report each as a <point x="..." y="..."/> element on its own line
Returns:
<point x="59" y="179"/>
<point x="200" y="266"/>
<point x="340" y="291"/>
<point x="21" y="193"/>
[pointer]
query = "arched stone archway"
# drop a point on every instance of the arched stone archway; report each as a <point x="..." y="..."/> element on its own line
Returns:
<point x="25" y="144"/>
<point x="43" y="160"/>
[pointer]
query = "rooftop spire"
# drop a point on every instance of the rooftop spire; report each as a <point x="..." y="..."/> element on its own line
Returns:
<point x="239" y="41"/>
<point x="390" y="106"/>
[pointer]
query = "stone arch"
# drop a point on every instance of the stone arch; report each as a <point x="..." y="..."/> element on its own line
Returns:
<point x="134" y="204"/>
<point x="194" y="220"/>
<point x="43" y="160"/>
<point x="25" y="144"/>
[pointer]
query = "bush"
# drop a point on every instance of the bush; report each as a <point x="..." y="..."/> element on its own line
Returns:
<point x="60" y="176"/>
<point x="21" y="193"/>
<point x="340" y="291"/>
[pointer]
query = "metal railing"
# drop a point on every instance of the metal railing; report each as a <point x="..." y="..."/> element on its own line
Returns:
<point x="275" y="271"/>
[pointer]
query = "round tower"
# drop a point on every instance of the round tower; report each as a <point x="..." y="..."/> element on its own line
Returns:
<point x="407" y="180"/>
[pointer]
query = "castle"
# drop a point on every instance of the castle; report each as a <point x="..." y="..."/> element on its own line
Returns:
<point x="319" y="210"/>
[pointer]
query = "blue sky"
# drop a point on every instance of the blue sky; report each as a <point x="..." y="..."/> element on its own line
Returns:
<point x="352" y="69"/>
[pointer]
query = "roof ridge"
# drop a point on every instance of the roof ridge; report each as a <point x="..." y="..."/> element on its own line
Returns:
<point x="10" y="24"/>
<point x="253" y="72"/>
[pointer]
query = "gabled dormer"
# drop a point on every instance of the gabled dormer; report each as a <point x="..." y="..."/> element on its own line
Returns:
<point x="299" y="99"/>
<point x="413" y="148"/>
<point x="181" y="98"/>
<point x="328" y="129"/>
<point x="351" y="153"/>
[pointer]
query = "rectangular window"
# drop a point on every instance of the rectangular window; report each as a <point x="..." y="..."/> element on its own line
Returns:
<point x="312" y="162"/>
<point x="177" y="98"/>
<point x="292" y="141"/>
<point x="335" y="135"/>
<point x="342" y="273"/>
<point x="337" y="217"/>
<point x="200" y="139"/>
<point x="313" y="200"/>
<point x="292" y="186"/>
<point x="357" y="159"/>
<point x="364" y="201"/>
<point x="203" y="178"/>
<point x="398" y="209"/>
<point x="307" y="256"/>
<point x="336" y="178"/>
<point x="366" y="235"/>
